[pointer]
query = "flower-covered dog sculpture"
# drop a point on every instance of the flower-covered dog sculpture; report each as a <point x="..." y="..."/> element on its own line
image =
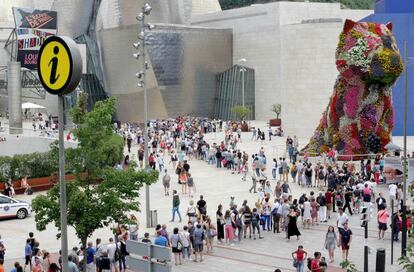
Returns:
<point x="359" y="118"/>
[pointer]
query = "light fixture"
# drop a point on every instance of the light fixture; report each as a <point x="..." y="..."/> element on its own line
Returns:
<point x="136" y="45"/>
<point x="146" y="9"/>
<point x="136" y="55"/>
<point x="140" y="16"/>
<point x="141" y="35"/>
<point x="150" y="26"/>
<point x="139" y="74"/>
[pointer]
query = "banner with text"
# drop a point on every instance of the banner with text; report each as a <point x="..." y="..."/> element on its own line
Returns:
<point x="33" y="26"/>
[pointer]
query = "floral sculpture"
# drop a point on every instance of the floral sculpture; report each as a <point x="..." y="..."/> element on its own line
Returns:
<point x="359" y="118"/>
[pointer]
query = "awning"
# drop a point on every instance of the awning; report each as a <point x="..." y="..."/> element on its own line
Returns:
<point x="29" y="105"/>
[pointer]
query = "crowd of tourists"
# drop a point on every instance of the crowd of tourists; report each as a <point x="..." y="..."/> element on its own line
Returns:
<point x="332" y="191"/>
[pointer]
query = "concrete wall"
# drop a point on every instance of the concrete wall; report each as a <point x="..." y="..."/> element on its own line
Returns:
<point x="291" y="47"/>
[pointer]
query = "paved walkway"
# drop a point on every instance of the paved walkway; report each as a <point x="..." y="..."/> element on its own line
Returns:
<point x="217" y="185"/>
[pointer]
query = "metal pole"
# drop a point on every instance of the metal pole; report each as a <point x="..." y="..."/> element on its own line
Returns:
<point x="366" y="247"/>
<point x="62" y="185"/>
<point x="146" y="141"/>
<point x="243" y="70"/>
<point x="404" y="204"/>
<point x="392" y="231"/>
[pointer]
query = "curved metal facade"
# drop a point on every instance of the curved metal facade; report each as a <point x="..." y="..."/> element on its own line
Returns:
<point x="184" y="62"/>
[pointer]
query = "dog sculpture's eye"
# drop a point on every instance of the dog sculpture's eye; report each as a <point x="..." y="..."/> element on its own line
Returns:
<point x="387" y="42"/>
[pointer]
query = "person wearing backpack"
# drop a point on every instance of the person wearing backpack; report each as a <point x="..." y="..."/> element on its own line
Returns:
<point x="322" y="207"/>
<point x="199" y="238"/>
<point x="255" y="223"/>
<point x="239" y="223"/>
<point x="276" y="215"/>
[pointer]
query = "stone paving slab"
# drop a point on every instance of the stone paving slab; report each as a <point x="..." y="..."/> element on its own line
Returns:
<point x="216" y="185"/>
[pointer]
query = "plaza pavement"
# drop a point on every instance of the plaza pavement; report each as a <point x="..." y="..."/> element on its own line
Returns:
<point x="217" y="185"/>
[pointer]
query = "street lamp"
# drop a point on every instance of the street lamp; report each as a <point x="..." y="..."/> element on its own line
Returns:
<point x="242" y="70"/>
<point x="141" y="76"/>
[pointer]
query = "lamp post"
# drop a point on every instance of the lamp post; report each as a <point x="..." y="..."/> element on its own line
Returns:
<point x="404" y="204"/>
<point x="243" y="70"/>
<point x="141" y="75"/>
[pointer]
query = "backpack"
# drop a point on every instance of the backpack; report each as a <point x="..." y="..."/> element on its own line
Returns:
<point x="321" y="175"/>
<point x="255" y="219"/>
<point x="239" y="222"/>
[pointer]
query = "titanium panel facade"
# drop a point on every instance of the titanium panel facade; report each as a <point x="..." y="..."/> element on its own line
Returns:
<point x="184" y="62"/>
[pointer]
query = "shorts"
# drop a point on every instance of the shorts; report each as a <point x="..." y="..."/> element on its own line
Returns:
<point x="28" y="260"/>
<point x="198" y="248"/>
<point x="345" y="246"/>
<point x="382" y="226"/>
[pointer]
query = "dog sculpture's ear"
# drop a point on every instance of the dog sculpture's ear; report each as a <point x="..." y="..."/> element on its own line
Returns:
<point x="349" y="24"/>
<point x="389" y="26"/>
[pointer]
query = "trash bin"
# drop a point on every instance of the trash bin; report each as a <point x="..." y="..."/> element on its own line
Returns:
<point x="154" y="218"/>
<point x="380" y="263"/>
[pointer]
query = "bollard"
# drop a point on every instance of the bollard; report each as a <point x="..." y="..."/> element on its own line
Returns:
<point x="380" y="263"/>
<point x="154" y="218"/>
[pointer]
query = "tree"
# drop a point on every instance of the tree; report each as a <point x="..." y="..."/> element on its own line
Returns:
<point x="100" y="194"/>
<point x="277" y="109"/>
<point x="240" y="111"/>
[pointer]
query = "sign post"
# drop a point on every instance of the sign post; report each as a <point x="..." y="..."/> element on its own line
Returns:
<point x="60" y="70"/>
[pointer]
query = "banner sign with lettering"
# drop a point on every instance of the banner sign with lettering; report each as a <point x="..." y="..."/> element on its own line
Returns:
<point x="33" y="26"/>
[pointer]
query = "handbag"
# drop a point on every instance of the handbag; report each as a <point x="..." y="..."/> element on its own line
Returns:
<point x="179" y="246"/>
<point x="295" y="263"/>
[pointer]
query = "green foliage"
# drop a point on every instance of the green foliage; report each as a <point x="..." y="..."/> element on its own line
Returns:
<point x="407" y="262"/>
<point x="34" y="165"/>
<point x="277" y="109"/>
<point x="94" y="207"/>
<point x="100" y="194"/>
<point x="240" y="111"/>
<point x="352" y="4"/>
<point x="349" y="266"/>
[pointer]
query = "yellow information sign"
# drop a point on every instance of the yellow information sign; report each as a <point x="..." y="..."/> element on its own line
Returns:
<point x="59" y="65"/>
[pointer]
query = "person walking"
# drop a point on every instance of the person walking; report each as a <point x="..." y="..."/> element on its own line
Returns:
<point x="330" y="242"/>
<point x="382" y="218"/>
<point x="176" y="206"/>
<point x="299" y="257"/>
<point x="176" y="246"/>
<point x="345" y="235"/>
<point x="166" y="179"/>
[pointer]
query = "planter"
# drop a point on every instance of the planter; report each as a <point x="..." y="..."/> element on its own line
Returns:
<point x="275" y="122"/>
<point x="37" y="184"/>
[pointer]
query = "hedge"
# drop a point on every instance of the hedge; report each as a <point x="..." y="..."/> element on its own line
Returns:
<point x="38" y="165"/>
<point x="33" y="165"/>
